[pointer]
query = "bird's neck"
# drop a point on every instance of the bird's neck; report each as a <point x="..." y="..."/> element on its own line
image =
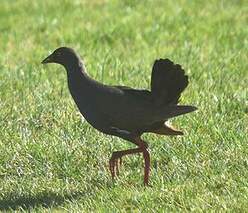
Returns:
<point x="77" y="72"/>
<point x="79" y="82"/>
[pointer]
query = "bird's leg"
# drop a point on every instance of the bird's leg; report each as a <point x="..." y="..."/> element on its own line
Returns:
<point x="146" y="156"/>
<point x="143" y="146"/>
<point x="113" y="162"/>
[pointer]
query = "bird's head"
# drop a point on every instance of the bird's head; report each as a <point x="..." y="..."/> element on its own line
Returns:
<point x="64" y="56"/>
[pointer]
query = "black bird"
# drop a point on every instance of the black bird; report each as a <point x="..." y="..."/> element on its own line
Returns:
<point x="122" y="111"/>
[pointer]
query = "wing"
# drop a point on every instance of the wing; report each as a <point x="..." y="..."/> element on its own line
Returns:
<point x="167" y="82"/>
<point x="130" y="109"/>
<point x="143" y="95"/>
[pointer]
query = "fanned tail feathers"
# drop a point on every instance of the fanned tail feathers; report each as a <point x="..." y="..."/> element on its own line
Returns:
<point x="167" y="82"/>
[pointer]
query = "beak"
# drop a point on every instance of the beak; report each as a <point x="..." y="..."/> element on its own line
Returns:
<point x="48" y="59"/>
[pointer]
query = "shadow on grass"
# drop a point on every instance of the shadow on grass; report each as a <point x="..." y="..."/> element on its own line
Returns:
<point x="45" y="199"/>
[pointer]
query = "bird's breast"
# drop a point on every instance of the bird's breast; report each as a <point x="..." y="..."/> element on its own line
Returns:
<point x="89" y="107"/>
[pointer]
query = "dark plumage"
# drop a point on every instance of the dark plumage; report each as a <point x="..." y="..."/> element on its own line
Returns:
<point x="122" y="111"/>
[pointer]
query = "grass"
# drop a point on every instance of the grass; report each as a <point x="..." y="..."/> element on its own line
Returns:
<point x="51" y="160"/>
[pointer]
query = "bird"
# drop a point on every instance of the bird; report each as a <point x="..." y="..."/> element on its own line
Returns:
<point x="123" y="111"/>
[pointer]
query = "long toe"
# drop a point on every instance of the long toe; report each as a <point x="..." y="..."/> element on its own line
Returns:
<point x="116" y="167"/>
<point x="112" y="168"/>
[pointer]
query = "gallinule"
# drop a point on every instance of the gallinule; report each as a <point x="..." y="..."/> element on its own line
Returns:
<point x="122" y="111"/>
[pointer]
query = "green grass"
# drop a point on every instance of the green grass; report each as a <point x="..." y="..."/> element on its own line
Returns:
<point x="51" y="160"/>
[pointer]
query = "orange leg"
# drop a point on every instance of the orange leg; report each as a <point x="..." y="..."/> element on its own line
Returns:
<point x="146" y="156"/>
<point x="113" y="163"/>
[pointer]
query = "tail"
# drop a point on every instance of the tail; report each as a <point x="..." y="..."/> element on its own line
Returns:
<point x="176" y="110"/>
<point x="167" y="82"/>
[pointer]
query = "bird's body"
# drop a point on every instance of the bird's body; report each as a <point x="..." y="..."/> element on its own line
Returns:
<point x="115" y="107"/>
<point x="122" y="111"/>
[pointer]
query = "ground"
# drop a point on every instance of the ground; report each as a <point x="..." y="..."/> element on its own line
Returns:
<point x="52" y="160"/>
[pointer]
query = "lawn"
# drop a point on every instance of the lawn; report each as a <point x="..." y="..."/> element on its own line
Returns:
<point x="52" y="160"/>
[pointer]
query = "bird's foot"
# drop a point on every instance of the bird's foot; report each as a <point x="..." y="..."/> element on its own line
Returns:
<point x="114" y="163"/>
